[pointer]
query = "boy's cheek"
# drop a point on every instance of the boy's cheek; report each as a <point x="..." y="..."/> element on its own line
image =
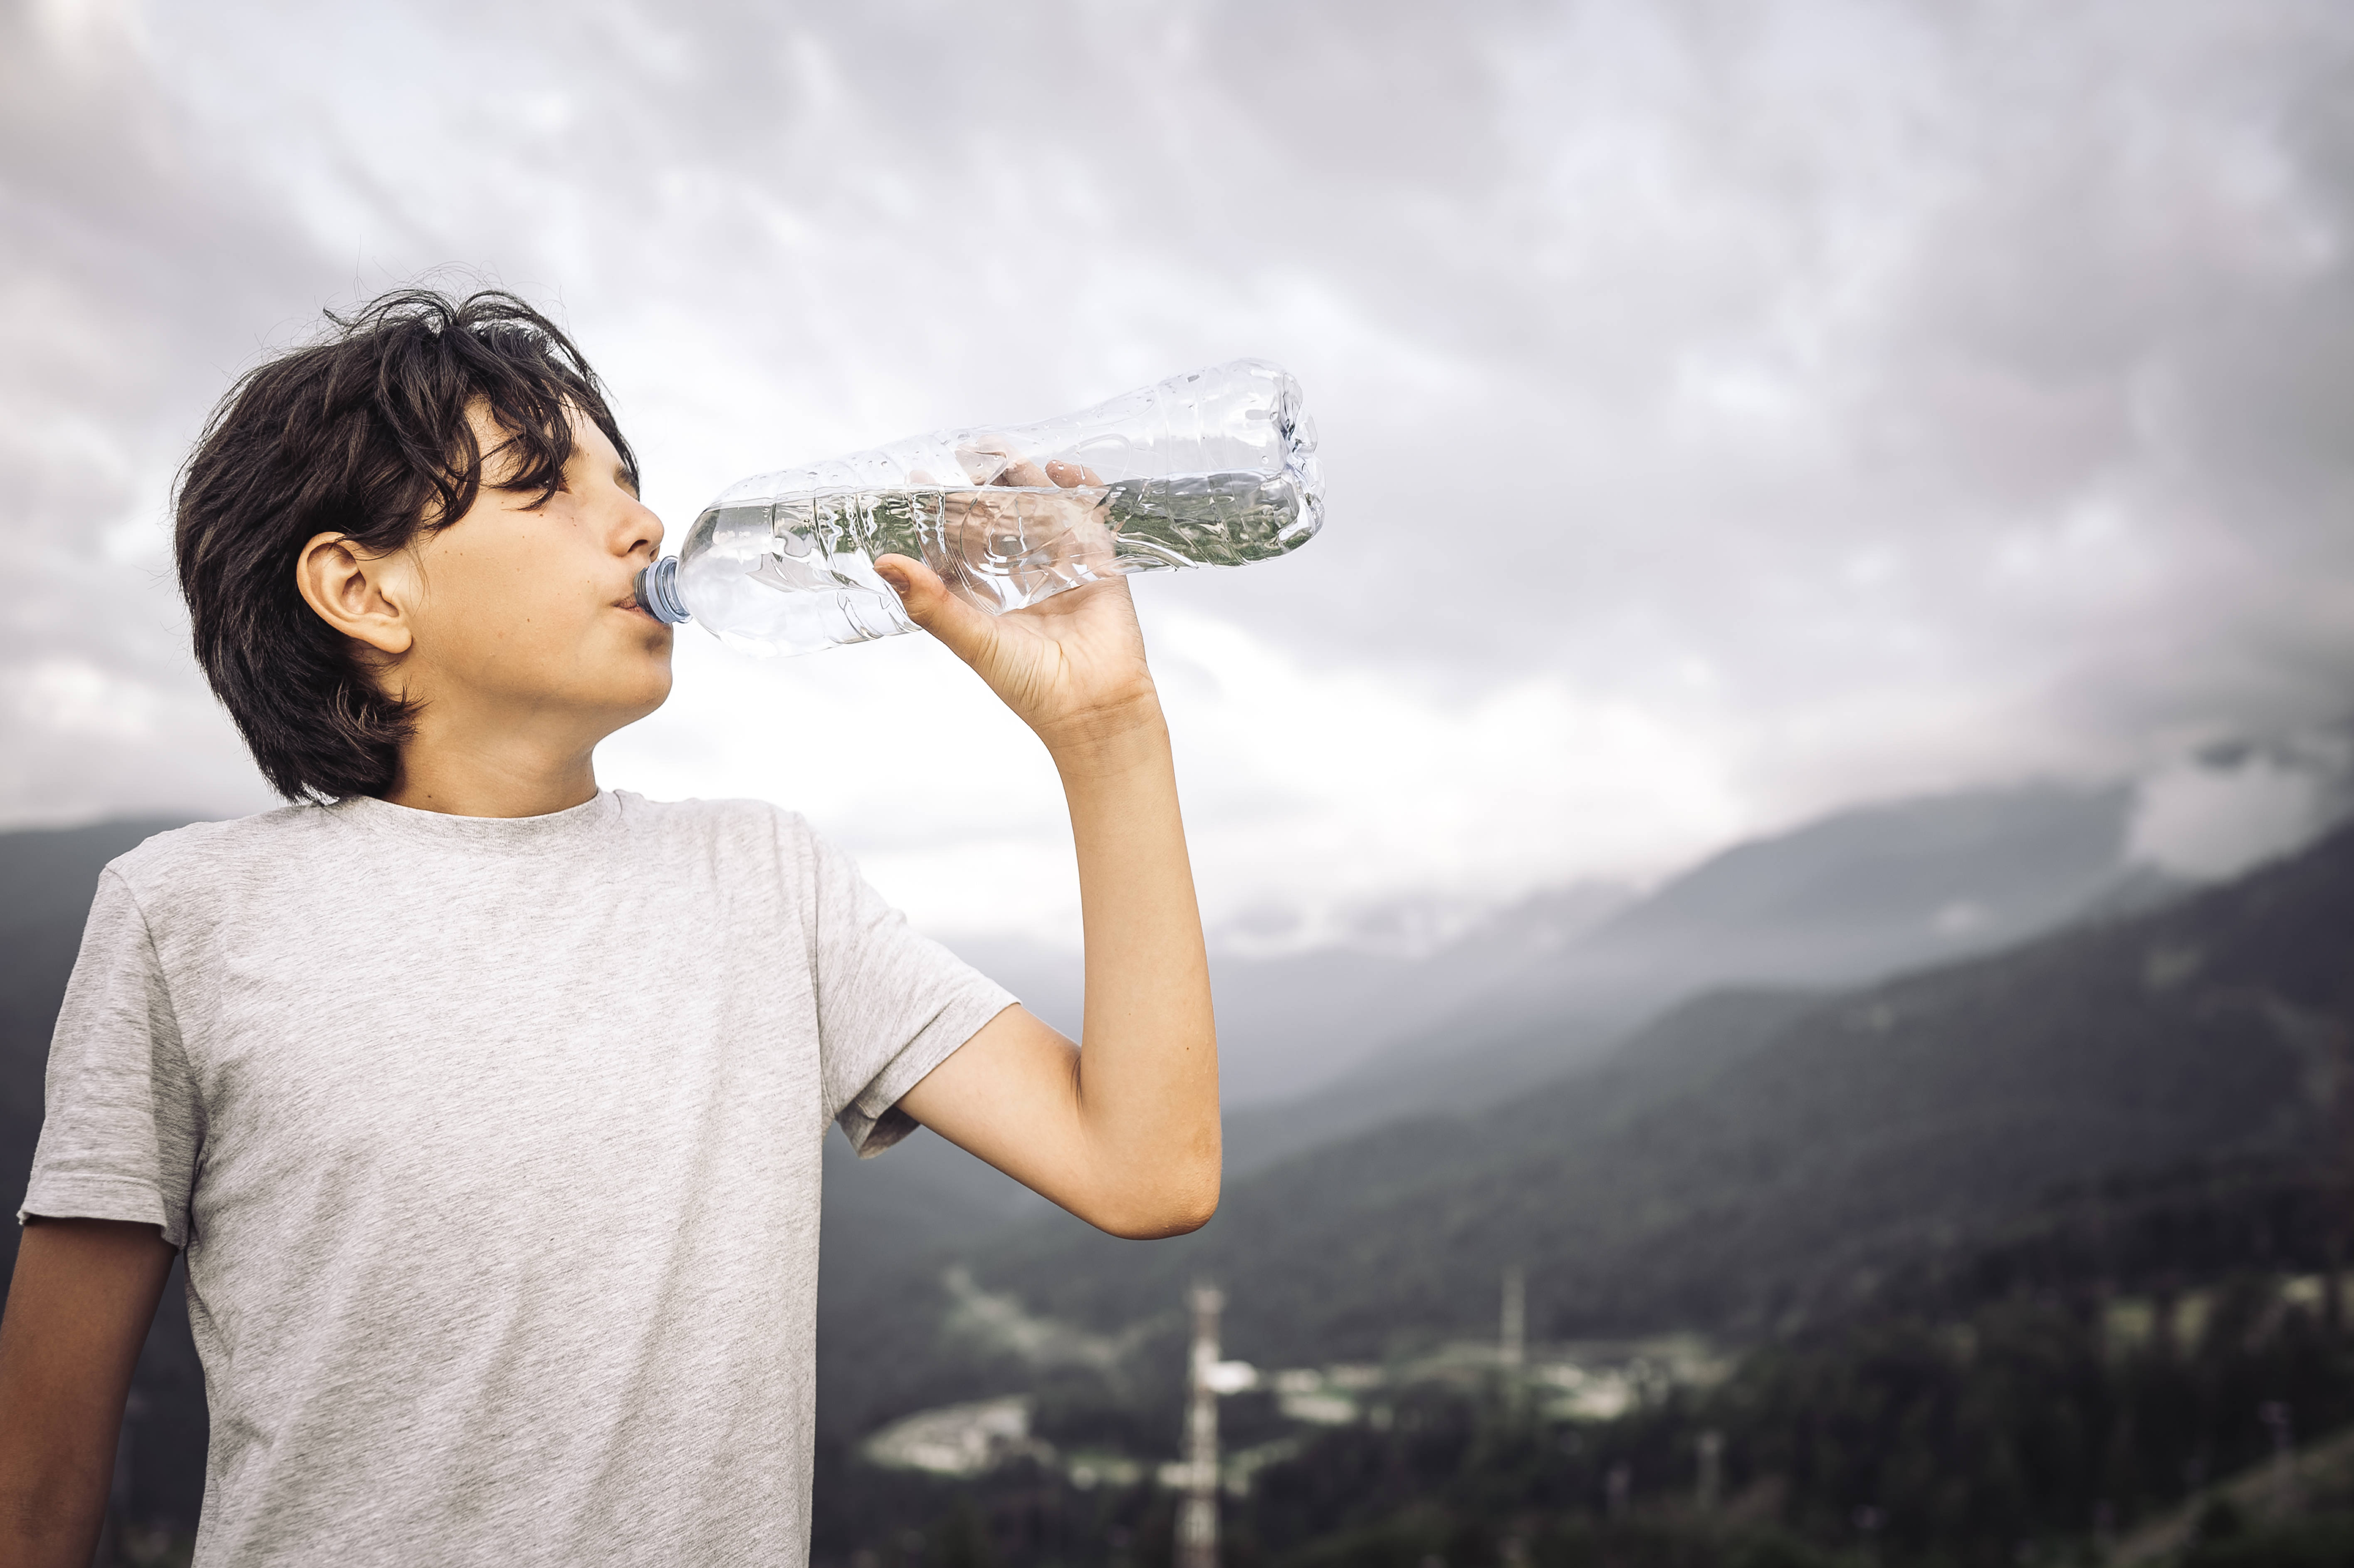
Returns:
<point x="497" y="642"/>
<point x="536" y="645"/>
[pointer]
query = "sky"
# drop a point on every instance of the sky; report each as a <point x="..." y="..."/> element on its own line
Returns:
<point x="1729" y="411"/>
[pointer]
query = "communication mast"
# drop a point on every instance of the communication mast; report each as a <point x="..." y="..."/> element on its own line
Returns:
<point x="1197" y="1516"/>
<point x="1512" y="1340"/>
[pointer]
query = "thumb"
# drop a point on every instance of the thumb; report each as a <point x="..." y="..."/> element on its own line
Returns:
<point x="966" y="629"/>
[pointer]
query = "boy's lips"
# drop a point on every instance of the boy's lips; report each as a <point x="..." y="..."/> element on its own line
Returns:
<point x="630" y="602"/>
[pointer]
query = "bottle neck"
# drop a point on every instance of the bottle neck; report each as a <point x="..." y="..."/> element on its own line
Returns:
<point x="657" y="591"/>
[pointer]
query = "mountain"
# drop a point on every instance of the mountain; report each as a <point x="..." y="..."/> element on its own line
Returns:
<point x="1753" y="1159"/>
<point x="1870" y="890"/>
<point x="1849" y="898"/>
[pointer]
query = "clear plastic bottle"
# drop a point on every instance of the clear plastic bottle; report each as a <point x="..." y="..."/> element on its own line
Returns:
<point x="1213" y="468"/>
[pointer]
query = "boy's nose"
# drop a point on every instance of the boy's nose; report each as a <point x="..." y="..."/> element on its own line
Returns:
<point x="646" y="529"/>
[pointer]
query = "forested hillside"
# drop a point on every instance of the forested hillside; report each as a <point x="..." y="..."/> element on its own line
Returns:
<point x="1753" y="1159"/>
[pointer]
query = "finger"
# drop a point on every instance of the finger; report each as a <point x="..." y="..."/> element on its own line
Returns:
<point x="993" y="460"/>
<point x="1073" y="476"/>
<point x="966" y="629"/>
<point x="986" y="460"/>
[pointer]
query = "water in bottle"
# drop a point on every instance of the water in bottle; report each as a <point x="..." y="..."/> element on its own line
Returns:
<point x="1215" y="467"/>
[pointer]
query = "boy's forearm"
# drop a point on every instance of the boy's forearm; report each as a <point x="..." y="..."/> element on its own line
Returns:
<point x="35" y="1535"/>
<point x="1148" y="1075"/>
<point x="1123" y="1133"/>
<point x="79" y="1306"/>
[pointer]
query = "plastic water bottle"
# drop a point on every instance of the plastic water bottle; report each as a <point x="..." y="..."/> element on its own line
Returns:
<point x="1215" y="467"/>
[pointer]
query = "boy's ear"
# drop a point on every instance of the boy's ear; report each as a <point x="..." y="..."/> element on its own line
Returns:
<point x="360" y="594"/>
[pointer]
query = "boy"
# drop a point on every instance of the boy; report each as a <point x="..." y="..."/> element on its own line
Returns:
<point x="488" y="1104"/>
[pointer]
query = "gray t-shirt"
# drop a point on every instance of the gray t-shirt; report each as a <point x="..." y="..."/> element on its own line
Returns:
<point x="494" y="1147"/>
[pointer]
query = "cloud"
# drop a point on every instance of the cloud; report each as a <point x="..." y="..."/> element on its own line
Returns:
<point x="2235" y="806"/>
<point x="1730" y="411"/>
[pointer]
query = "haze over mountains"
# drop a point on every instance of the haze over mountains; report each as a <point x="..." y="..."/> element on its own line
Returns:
<point x="1319" y="1045"/>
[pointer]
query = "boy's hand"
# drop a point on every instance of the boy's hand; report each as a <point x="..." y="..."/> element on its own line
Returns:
<point x="1071" y="666"/>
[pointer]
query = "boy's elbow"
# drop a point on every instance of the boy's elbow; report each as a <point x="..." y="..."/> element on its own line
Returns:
<point x="1194" y="1210"/>
<point x="1173" y="1209"/>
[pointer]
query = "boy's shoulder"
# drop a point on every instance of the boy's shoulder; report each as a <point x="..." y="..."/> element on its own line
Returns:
<point x="203" y="851"/>
<point x="199" y="865"/>
<point x="710" y="819"/>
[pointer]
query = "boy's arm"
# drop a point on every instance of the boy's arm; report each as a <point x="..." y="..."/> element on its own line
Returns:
<point x="1124" y="1135"/>
<point x="79" y="1307"/>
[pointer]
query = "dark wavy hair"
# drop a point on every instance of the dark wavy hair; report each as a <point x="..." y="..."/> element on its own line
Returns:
<point x="363" y="433"/>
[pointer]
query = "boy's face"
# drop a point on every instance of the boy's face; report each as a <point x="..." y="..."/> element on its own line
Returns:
<point x="523" y="610"/>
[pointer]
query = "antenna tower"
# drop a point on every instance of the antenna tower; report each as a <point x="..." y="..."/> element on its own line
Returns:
<point x="1512" y="1339"/>
<point x="1197" y="1516"/>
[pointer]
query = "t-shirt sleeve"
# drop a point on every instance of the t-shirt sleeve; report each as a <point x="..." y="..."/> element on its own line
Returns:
<point x="891" y="1004"/>
<point x="122" y="1123"/>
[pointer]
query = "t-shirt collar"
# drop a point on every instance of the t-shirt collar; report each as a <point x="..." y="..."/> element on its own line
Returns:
<point x="517" y="834"/>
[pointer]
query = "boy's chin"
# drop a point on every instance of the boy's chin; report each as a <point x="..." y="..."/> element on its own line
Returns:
<point x="623" y="696"/>
<point x="646" y="696"/>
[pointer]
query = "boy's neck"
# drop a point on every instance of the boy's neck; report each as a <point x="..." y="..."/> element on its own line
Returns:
<point x="508" y="777"/>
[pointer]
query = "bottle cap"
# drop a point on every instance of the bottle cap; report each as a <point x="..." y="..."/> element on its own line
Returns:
<point x="657" y="591"/>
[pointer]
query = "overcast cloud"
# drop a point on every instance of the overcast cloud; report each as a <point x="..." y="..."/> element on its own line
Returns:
<point x="1730" y="410"/>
